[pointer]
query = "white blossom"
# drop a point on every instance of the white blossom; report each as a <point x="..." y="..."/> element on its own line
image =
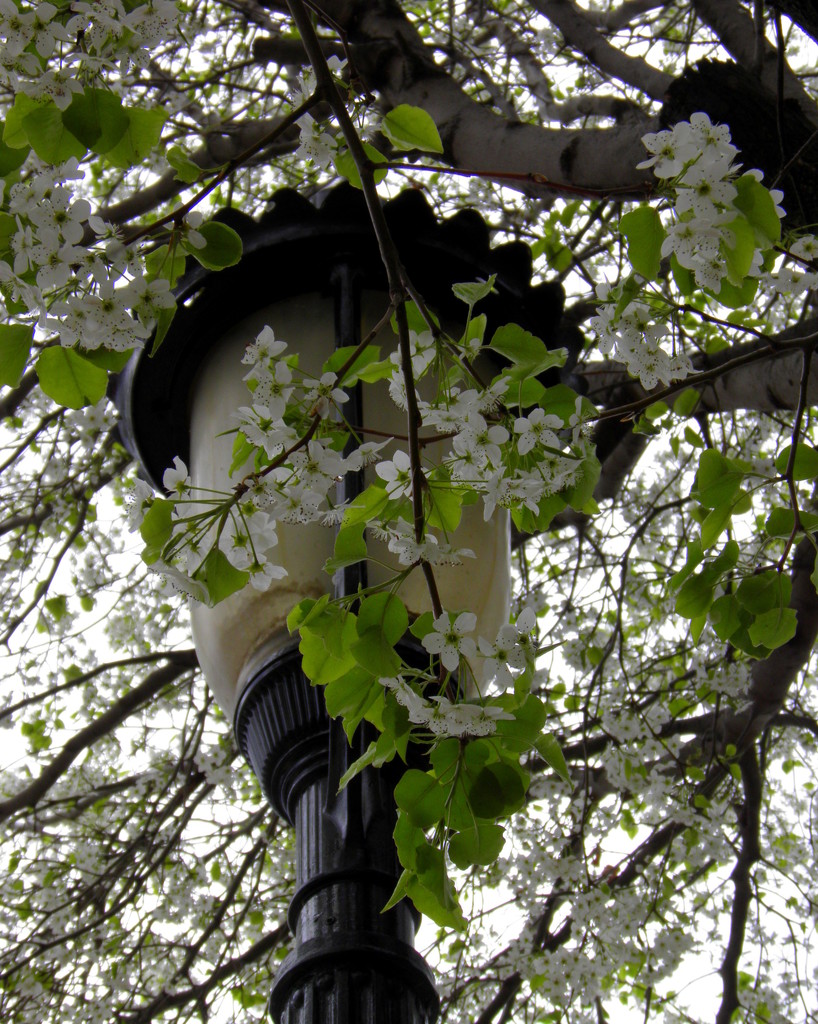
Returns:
<point x="449" y="641"/>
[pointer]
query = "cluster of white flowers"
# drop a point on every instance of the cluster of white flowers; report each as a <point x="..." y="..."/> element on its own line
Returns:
<point x="637" y="340"/>
<point x="318" y="141"/>
<point x="444" y="717"/>
<point x="399" y="538"/>
<point x="701" y="232"/>
<point x="513" y="650"/>
<point x="113" y="34"/>
<point x="695" y="159"/>
<point x="215" y="763"/>
<point x="789" y="279"/>
<point x="64" y="265"/>
<point x="481" y="449"/>
<point x="74" y="288"/>
<point x="298" y="484"/>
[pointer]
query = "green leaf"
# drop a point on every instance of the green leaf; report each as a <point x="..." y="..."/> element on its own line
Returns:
<point x="805" y="465"/>
<point x="11" y="157"/>
<point x="367" y="506"/>
<point x="400" y="890"/>
<point x="108" y="359"/>
<point x="497" y="790"/>
<point x="695" y="597"/>
<point x="697" y="624"/>
<point x="374" y="653"/>
<point x="715" y="523"/>
<point x="528" y="522"/>
<point x="350" y="548"/>
<point x="223" y="246"/>
<point x="409" y="127"/>
<point x="781" y="522"/>
<point x="69" y="379"/>
<point x="764" y="592"/>
<point x="164" y="318"/>
<point x="644" y="231"/>
<point x="15" y="345"/>
<point x="366" y="358"/>
<point x="550" y="751"/>
<point x="522" y="393"/>
<point x="446" y="504"/>
<point x="758" y="206"/>
<point x="14" y="134"/>
<point x="325" y="646"/>
<point x="433" y="878"/>
<point x="96" y="117"/>
<point x="773" y="628"/>
<point x="140" y="138"/>
<point x="523" y="731"/>
<point x="738" y="256"/>
<point x="8" y="228"/>
<point x="718" y="478"/>
<point x="422" y="797"/>
<point x="50" y="139"/>
<point x="408" y="840"/>
<point x="735" y="296"/>
<point x="422" y="625"/>
<point x="683" y="277"/>
<point x="562" y="401"/>
<point x="220" y="577"/>
<point x="434" y="904"/>
<point x="582" y="491"/>
<point x="471" y="292"/>
<point x="352" y="696"/>
<point x="481" y="844"/>
<point x="300" y="615"/>
<point x="186" y="170"/>
<point x="57" y="606"/>
<point x="384" y="612"/>
<point x="156" y="529"/>
<point x="165" y="264"/>
<point x="527" y="353"/>
<point x="725" y="616"/>
<point x="357" y="766"/>
<point x="685" y="403"/>
<point x="345" y="165"/>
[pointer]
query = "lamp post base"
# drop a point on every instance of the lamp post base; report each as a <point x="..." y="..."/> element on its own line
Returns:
<point x="351" y="963"/>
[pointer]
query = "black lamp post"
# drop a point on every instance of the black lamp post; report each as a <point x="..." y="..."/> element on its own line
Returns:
<point x="315" y="275"/>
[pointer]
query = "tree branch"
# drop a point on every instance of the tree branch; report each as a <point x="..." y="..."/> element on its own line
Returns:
<point x="394" y="61"/>
<point x="749" y="823"/>
<point x="618" y="17"/>
<point x="736" y="34"/>
<point x="132" y="701"/>
<point x="580" y="34"/>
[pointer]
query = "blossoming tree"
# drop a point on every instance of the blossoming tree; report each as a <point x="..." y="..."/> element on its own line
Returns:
<point x="620" y="792"/>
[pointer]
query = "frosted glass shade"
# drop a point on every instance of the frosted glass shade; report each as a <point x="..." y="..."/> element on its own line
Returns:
<point x="233" y="638"/>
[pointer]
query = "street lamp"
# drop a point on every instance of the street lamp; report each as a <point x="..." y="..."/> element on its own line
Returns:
<point x="314" y="273"/>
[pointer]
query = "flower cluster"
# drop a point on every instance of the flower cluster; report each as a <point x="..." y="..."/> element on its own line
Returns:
<point x="443" y="717"/>
<point x="295" y="487"/>
<point x="94" y="295"/>
<point x="64" y="265"/>
<point x="318" y="143"/>
<point x="708" y="237"/>
<point x="295" y="445"/>
<point x="515" y="648"/>
<point x="637" y="340"/>
<point x="696" y="157"/>
<point x="111" y="32"/>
